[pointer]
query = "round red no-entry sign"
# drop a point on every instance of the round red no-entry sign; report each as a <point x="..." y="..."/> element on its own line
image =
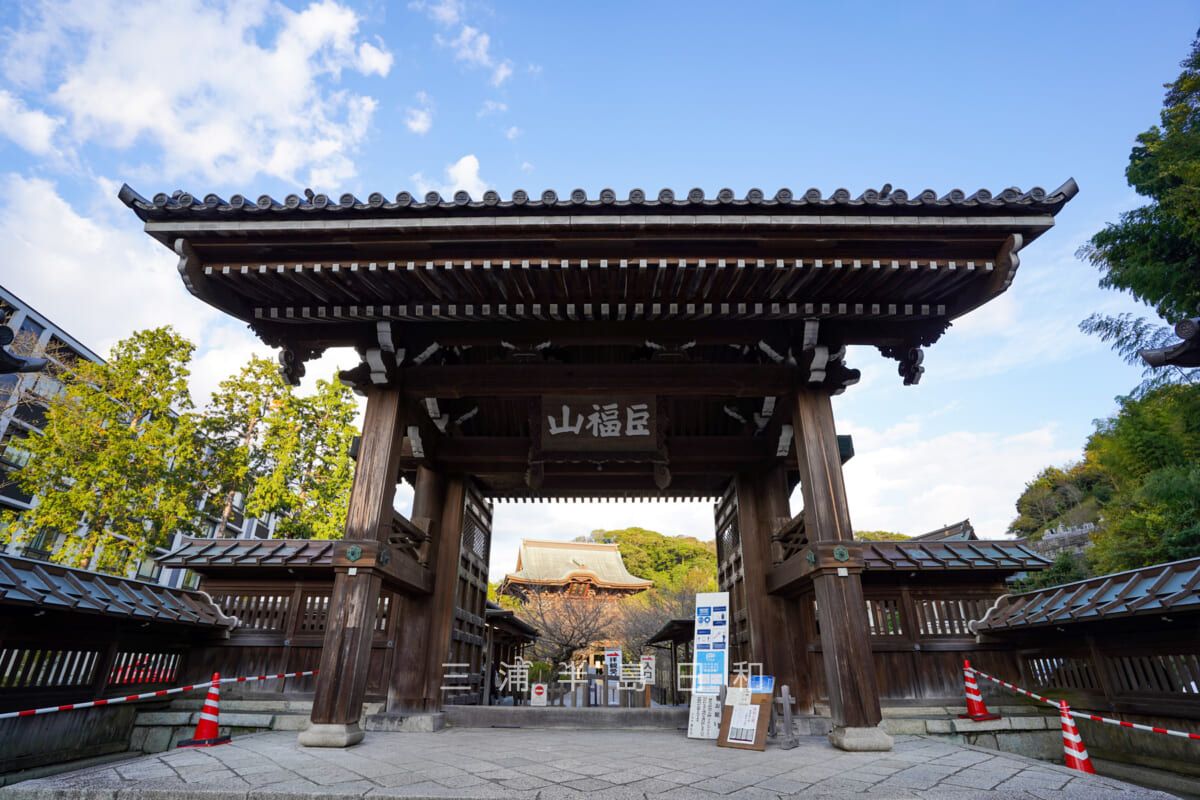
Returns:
<point x="539" y="690"/>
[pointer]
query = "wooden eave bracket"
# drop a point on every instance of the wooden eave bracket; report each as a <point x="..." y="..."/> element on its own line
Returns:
<point x="191" y="271"/>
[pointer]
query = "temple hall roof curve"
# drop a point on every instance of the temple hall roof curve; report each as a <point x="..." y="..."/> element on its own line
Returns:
<point x="557" y="563"/>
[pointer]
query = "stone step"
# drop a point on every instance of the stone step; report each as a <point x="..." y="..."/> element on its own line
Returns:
<point x="235" y="704"/>
<point x="1029" y="709"/>
<point x="587" y="718"/>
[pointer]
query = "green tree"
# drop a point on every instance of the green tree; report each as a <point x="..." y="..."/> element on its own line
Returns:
<point x="1151" y="451"/>
<point x="118" y="455"/>
<point x="236" y="423"/>
<point x="310" y="471"/>
<point x="666" y="560"/>
<point x="1065" y="569"/>
<point x="880" y="536"/>
<point x="1154" y="251"/>
<point x="1069" y="496"/>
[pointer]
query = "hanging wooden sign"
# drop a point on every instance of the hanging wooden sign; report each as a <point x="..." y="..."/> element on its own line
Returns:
<point x="588" y="423"/>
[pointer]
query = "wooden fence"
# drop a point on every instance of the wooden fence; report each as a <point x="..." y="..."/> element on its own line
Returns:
<point x="57" y="658"/>
<point x="282" y="630"/>
<point x="919" y="638"/>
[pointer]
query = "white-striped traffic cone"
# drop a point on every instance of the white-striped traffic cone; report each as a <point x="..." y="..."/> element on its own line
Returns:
<point x="976" y="710"/>
<point x="207" y="732"/>
<point x="1076" y="753"/>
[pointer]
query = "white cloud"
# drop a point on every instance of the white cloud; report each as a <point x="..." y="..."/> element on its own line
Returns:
<point x="526" y="166"/>
<point x="33" y="129"/>
<point x="491" y="107"/>
<point x="443" y="12"/>
<point x="420" y="120"/>
<point x="226" y="91"/>
<point x="374" y="60"/>
<point x="99" y="280"/>
<point x="907" y="480"/>
<point x="513" y="132"/>
<point x="473" y="47"/>
<point x="95" y="274"/>
<point x="535" y="69"/>
<point x="461" y="175"/>
<point x="502" y="72"/>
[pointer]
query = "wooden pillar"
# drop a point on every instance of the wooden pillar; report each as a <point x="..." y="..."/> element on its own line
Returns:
<point x="845" y="638"/>
<point x="417" y="673"/>
<point x="349" y="626"/>
<point x="771" y="620"/>
<point x="444" y="563"/>
<point x="406" y="689"/>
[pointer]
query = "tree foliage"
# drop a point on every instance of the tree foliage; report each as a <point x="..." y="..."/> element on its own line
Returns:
<point x="310" y="470"/>
<point x="1065" y="569"/>
<point x="1154" y="251"/>
<point x="669" y="561"/>
<point x="566" y="625"/>
<point x="118" y="455"/>
<point x="880" y="536"/>
<point x="1151" y="451"/>
<point x="125" y="461"/>
<point x="1128" y="335"/>
<point x="236" y="424"/>
<point x="1068" y="496"/>
<point x="1139" y="480"/>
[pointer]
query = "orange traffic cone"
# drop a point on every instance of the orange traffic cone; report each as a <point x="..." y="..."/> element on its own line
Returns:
<point x="207" y="733"/>
<point x="976" y="710"/>
<point x="1076" y="753"/>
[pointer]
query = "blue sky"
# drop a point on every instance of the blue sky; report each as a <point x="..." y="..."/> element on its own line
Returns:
<point x="259" y="97"/>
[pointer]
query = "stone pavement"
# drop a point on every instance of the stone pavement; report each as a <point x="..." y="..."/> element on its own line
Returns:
<point x="539" y="764"/>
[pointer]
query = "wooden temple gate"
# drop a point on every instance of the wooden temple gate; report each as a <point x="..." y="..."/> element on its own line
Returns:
<point x="595" y="347"/>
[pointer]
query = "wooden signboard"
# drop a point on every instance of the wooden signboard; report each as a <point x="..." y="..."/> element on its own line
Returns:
<point x="582" y="423"/>
<point x="746" y="715"/>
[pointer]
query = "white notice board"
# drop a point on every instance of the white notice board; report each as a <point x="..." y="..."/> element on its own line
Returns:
<point x="711" y="643"/>
<point x="704" y="716"/>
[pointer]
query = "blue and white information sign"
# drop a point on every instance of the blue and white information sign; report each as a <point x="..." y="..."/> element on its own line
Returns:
<point x="711" y="670"/>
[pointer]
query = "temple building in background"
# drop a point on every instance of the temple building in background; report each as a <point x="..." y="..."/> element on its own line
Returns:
<point x="573" y="569"/>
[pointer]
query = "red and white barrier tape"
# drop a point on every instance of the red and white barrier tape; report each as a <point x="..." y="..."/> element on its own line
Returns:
<point x="114" y="700"/>
<point x="1093" y="717"/>
<point x="1139" y="727"/>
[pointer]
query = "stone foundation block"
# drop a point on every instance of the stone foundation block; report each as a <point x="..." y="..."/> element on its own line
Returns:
<point x="860" y="739"/>
<point x="331" y="735"/>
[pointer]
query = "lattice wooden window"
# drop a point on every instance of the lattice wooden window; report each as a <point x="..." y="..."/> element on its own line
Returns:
<point x="22" y="667"/>
<point x="883" y="616"/>
<point x="1160" y="673"/>
<point x="259" y="611"/>
<point x="382" y="612"/>
<point x="948" y="616"/>
<point x="1062" y="673"/>
<point x="132" y="667"/>
<point x="314" y="609"/>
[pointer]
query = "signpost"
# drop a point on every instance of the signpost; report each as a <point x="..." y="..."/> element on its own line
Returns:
<point x="711" y="643"/>
<point x="538" y="695"/>
<point x="711" y="669"/>
<point x="612" y="672"/>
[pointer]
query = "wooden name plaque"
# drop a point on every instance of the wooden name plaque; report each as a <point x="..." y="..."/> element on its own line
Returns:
<point x="582" y="423"/>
